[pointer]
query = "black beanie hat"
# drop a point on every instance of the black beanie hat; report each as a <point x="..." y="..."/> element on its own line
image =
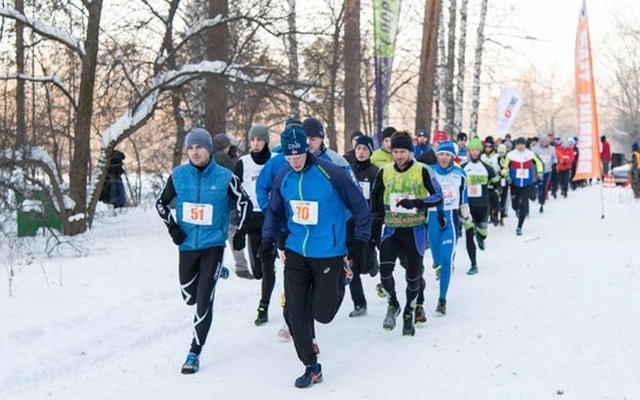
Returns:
<point x="401" y="141"/>
<point x="388" y="131"/>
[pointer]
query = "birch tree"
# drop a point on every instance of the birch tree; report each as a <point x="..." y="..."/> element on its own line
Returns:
<point x="352" y="108"/>
<point x="462" y="49"/>
<point x="477" y="69"/>
<point x="450" y="70"/>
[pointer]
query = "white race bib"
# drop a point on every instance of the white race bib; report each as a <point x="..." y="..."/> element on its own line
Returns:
<point x="305" y="212"/>
<point x="394" y="198"/>
<point x="522" y="173"/>
<point x="365" y="188"/>
<point x="503" y="182"/>
<point x="197" y="214"/>
<point x="475" y="190"/>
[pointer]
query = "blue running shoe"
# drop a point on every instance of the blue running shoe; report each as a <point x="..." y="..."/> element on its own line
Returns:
<point x="312" y="374"/>
<point x="192" y="365"/>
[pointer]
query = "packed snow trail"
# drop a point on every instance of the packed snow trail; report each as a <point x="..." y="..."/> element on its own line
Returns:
<point x="556" y="310"/>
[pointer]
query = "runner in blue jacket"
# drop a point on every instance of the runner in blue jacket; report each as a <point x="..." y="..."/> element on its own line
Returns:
<point x="311" y="197"/>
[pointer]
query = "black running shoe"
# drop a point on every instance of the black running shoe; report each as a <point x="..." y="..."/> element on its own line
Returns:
<point x="442" y="306"/>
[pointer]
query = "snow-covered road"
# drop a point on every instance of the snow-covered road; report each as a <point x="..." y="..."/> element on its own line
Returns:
<point x="554" y="313"/>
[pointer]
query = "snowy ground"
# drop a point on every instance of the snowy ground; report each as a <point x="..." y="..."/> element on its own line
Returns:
<point x="552" y="314"/>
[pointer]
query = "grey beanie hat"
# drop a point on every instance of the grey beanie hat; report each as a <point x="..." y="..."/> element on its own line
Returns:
<point x="201" y="137"/>
<point x="259" y="131"/>
<point x="222" y="141"/>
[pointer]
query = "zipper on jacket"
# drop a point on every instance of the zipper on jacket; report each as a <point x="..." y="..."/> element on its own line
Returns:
<point x="198" y="201"/>
<point x="306" y="236"/>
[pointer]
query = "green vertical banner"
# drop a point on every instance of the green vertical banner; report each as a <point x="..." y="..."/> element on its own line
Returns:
<point x="385" y="29"/>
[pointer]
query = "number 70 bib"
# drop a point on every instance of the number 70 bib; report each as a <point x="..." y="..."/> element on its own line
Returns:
<point x="304" y="212"/>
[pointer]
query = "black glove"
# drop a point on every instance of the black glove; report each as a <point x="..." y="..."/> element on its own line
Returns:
<point x="177" y="234"/>
<point x="266" y="249"/>
<point x="411" y="203"/>
<point x="239" y="240"/>
<point x="376" y="232"/>
<point x="442" y="221"/>
<point x="357" y="255"/>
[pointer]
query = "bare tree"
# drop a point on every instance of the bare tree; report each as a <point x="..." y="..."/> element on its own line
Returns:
<point x="450" y="70"/>
<point x="292" y="52"/>
<point x="21" y="123"/>
<point x="462" y="49"/>
<point x="428" y="58"/>
<point x="477" y="70"/>
<point x="217" y="49"/>
<point x="352" y="106"/>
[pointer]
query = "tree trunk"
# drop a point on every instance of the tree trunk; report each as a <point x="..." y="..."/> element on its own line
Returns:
<point x="292" y="52"/>
<point x="477" y="70"/>
<point x="450" y="70"/>
<point x="462" y="47"/>
<point x="175" y="95"/>
<point x="351" y="70"/>
<point x="21" y="120"/>
<point x="441" y="74"/>
<point x="333" y="78"/>
<point x="217" y="50"/>
<point x="81" y="141"/>
<point x="428" y="56"/>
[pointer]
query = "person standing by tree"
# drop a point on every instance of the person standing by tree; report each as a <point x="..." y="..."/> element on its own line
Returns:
<point x="202" y="191"/>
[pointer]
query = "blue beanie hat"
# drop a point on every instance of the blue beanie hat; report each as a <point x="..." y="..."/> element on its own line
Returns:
<point x="365" y="141"/>
<point x="293" y="140"/>
<point x="635" y="146"/>
<point x="199" y="136"/>
<point x="313" y="128"/>
<point x="446" y="147"/>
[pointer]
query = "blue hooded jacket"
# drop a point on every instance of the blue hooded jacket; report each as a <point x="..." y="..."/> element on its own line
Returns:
<point x="334" y="193"/>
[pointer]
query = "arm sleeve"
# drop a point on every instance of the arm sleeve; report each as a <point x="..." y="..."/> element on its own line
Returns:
<point x="539" y="164"/>
<point x="353" y="198"/>
<point x="263" y="186"/>
<point x="377" y="196"/>
<point x="433" y="187"/>
<point x="162" y="203"/>
<point x="243" y="203"/>
<point x="238" y="170"/>
<point x="464" y="195"/>
<point x="275" y="214"/>
<point x="505" y="166"/>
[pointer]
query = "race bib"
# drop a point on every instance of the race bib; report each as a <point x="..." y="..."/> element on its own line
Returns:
<point x="197" y="214"/>
<point x="475" y="190"/>
<point x="503" y="182"/>
<point x="305" y="212"/>
<point x="522" y="173"/>
<point x="546" y="158"/>
<point x="394" y="198"/>
<point x="365" y="188"/>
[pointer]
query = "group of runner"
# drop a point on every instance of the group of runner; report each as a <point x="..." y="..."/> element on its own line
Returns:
<point x="325" y="215"/>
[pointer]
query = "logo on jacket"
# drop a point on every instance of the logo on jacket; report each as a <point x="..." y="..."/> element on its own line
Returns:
<point x="213" y="187"/>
